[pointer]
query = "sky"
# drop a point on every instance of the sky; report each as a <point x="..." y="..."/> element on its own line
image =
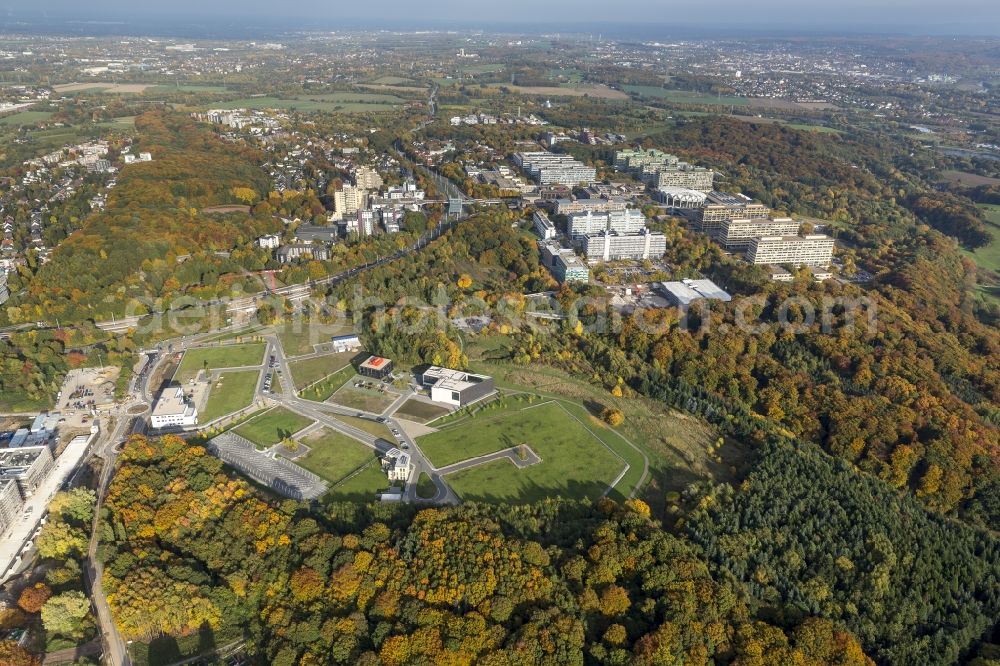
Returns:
<point x="938" y="17"/>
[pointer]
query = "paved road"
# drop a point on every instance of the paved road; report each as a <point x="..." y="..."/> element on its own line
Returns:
<point x="326" y="413"/>
<point x="512" y="454"/>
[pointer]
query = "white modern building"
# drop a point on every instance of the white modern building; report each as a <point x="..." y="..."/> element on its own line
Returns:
<point x="173" y="409"/>
<point x="344" y="343"/>
<point x="397" y="465"/>
<point x="455" y="387"/>
<point x="597" y="205"/>
<point x="736" y="233"/>
<point x="269" y="242"/>
<point x="629" y="221"/>
<point x="813" y="250"/>
<point x="544" y="227"/>
<point x="548" y="168"/>
<point x="611" y="246"/>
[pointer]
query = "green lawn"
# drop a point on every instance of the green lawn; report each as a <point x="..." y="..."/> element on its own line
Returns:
<point x="575" y="463"/>
<point x="362" y="399"/>
<point x="213" y="358"/>
<point x="345" y="102"/>
<point x="169" y="649"/>
<point x="362" y="487"/>
<point x="187" y="87"/>
<point x="425" y="487"/>
<point x="686" y="96"/>
<point x="333" y="455"/>
<point x="25" y="117"/>
<point x="421" y="412"/>
<point x="987" y="258"/>
<point x="233" y="392"/>
<point x="333" y="372"/>
<point x="272" y="426"/>
<point x="298" y="338"/>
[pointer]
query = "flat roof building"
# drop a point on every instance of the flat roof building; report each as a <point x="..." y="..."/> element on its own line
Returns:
<point x="28" y="466"/>
<point x="736" y="233"/>
<point x="396" y="464"/>
<point x="663" y="170"/>
<point x="686" y="292"/>
<point x="611" y="246"/>
<point x="548" y="168"/>
<point x="375" y="367"/>
<point x="722" y="206"/>
<point x="813" y="250"/>
<point x="343" y="343"/>
<point x="568" y="206"/>
<point x="629" y="221"/>
<point x="544" y="227"/>
<point x="10" y="503"/>
<point x="563" y="263"/>
<point x="455" y="387"/>
<point x="173" y="409"/>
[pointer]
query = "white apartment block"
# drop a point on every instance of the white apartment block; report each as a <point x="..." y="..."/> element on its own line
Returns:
<point x="10" y="503"/>
<point x="269" y="242"/>
<point x="570" y="206"/>
<point x="350" y="200"/>
<point x="629" y="221"/>
<point x="611" y="247"/>
<point x="544" y="227"/>
<point x="813" y="250"/>
<point x="551" y="169"/>
<point x="737" y="233"/>
<point x="366" y="178"/>
<point x="173" y="409"/>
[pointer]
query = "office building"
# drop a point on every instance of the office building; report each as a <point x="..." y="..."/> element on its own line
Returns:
<point x="629" y="221"/>
<point x="315" y="233"/>
<point x="570" y="206"/>
<point x="563" y="263"/>
<point x="722" y="206"/>
<point x="28" y="466"/>
<point x="736" y="233"/>
<point x="548" y="168"/>
<point x="344" y="343"/>
<point x="349" y="200"/>
<point x="686" y="292"/>
<point x="659" y="170"/>
<point x="455" y="387"/>
<point x="544" y="227"/>
<point x="376" y="367"/>
<point x="813" y="250"/>
<point x="173" y="409"/>
<point x="10" y="503"/>
<point x="288" y="253"/>
<point x="366" y="178"/>
<point x="612" y="247"/>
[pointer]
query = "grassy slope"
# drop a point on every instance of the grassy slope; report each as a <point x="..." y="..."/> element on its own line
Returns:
<point x="333" y="455"/>
<point x="236" y="392"/>
<point x="214" y="358"/>
<point x="272" y="426"/>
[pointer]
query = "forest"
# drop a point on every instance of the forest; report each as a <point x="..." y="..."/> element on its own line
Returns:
<point x="191" y="549"/>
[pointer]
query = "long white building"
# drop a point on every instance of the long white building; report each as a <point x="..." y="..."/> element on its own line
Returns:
<point x="629" y="221"/>
<point x="737" y="233"/>
<point x="813" y="250"/>
<point x="548" y="168"/>
<point x="173" y="409"/>
<point x="611" y="247"/>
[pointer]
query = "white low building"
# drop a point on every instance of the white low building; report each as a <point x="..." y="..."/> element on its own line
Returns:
<point x="397" y="465"/>
<point x="173" y="409"/>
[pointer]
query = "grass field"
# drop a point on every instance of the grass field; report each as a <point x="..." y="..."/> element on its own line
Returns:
<point x="333" y="455"/>
<point x="361" y="487"/>
<point x="344" y="102"/>
<point x="233" y="391"/>
<point x="298" y="337"/>
<point x="421" y="412"/>
<point x="425" y="487"/>
<point x="213" y="358"/>
<point x="987" y="258"/>
<point x="25" y="117"/>
<point x="677" y="445"/>
<point x="313" y="369"/>
<point x="687" y="96"/>
<point x="188" y="87"/>
<point x="589" y="90"/>
<point x="967" y="179"/>
<point x="272" y="426"/>
<point x="169" y="649"/>
<point x="575" y="463"/>
<point x="392" y="81"/>
<point x="362" y="399"/>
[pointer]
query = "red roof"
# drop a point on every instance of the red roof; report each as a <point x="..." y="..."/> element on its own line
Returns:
<point x="376" y="362"/>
